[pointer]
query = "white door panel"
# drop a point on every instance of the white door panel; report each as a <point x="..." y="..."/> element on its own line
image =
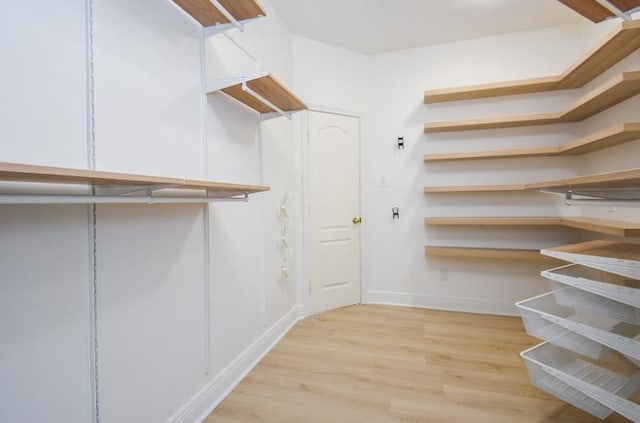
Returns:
<point x="334" y="151"/>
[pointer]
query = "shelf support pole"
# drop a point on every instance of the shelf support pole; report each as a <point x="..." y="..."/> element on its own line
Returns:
<point x="613" y="9"/>
<point x="227" y="15"/>
<point x="263" y="100"/>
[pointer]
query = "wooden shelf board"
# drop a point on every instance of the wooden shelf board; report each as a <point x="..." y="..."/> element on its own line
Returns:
<point x="603" y="226"/>
<point x="207" y="14"/>
<point x="614" y="91"/>
<point x="473" y="188"/>
<point x="595" y="12"/>
<point x="606" y="226"/>
<point x="618" y="44"/>
<point x="485" y="253"/>
<point x="495" y="154"/>
<point x="622" y="179"/>
<point x="17" y="172"/>
<point x="608" y="249"/>
<point x="618" y="134"/>
<point x="271" y="89"/>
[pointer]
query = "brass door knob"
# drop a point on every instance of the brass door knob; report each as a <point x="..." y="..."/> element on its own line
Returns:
<point x="356" y="220"/>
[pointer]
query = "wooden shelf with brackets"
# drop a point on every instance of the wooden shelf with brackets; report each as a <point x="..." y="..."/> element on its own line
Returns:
<point x="112" y="187"/>
<point x="261" y="92"/>
<point x="207" y="14"/>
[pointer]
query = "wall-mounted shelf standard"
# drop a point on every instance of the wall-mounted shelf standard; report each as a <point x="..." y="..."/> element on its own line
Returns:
<point x="623" y="186"/>
<point x="261" y="92"/>
<point x="473" y="188"/>
<point x="616" y="90"/>
<point x="618" y="134"/>
<point x="597" y="11"/>
<point x="222" y="14"/>
<point x="606" y="226"/>
<point x="621" y="42"/>
<point x="111" y="187"/>
<point x="485" y="253"/>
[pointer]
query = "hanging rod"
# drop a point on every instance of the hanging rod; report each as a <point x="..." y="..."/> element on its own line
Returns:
<point x="599" y="199"/>
<point x="111" y="199"/>
<point x="263" y="100"/>
<point x="614" y="9"/>
<point x="227" y="15"/>
<point x="601" y="203"/>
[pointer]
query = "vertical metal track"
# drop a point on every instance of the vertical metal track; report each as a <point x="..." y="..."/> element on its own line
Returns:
<point x="206" y="207"/>
<point x="261" y="203"/>
<point x="91" y="210"/>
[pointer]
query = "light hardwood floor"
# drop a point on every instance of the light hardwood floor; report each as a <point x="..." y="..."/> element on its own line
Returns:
<point x="391" y="364"/>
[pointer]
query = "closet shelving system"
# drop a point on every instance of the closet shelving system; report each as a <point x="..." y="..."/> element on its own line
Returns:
<point x="259" y="91"/>
<point x="592" y="311"/>
<point x="618" y="44"/>
<point x="110" y="187"/>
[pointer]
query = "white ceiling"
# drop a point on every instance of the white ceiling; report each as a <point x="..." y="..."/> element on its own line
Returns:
<point x="376" y="26"/>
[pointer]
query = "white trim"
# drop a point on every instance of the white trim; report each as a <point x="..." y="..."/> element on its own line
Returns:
<point x="207" y="399"/>
<point x="466" y="305"/>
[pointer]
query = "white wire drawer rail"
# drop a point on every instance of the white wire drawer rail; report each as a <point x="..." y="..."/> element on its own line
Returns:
<point x="614" y="257"/>
<point x="576" y="286"/>
<point x="590" y="387"/>
<point x="591" y="335"/>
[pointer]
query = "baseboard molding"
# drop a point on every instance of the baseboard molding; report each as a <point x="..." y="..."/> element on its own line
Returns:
<point x="212" y="394"/>
<point x="467" y="305"/>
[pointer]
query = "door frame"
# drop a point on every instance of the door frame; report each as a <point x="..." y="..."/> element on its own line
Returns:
<point x="304" y="293"/>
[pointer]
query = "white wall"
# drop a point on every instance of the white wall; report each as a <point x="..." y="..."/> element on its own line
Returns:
<point x="171" y="340"/>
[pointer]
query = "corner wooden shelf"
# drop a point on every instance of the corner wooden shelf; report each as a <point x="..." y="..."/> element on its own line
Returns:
<point x="264" y="85"/>
<point x="485" y="253"/>
<point x="616" y="90"/>
<point x="473" y="188"/>
<point x="621" y="42"/>
<point x="122" y="184"/>
<point x="207" y="14"/>
<point x="626" y="179"/>
<point x="595" y="12"/>
<point x="605" y="226"/>
<point x="616" y="135"/>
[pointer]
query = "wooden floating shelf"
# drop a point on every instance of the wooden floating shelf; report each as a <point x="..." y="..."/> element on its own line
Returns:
<point x="485" y="253"/>
<point x="207" y="14"/>
<point x="613" y="180"/>
<point x="474" y="188"/>
<point x="16" y="172"/>
<point x="616" y="135"/>
<point x="621" y="42"/>
<point x="605" y="226"/>
<point x="616" y="90"/>
<point x="595" y="12"/>
<point x="266" y="86"/>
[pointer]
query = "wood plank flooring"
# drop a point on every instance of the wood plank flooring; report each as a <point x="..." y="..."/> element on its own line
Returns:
<point x="393" y="364"/>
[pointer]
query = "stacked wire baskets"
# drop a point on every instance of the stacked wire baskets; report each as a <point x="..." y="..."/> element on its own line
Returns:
<point x="591" y="328"/>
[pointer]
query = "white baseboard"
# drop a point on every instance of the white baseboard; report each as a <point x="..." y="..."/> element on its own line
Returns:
<point x="467" y="305"/>
<point x="212" y="394"/>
